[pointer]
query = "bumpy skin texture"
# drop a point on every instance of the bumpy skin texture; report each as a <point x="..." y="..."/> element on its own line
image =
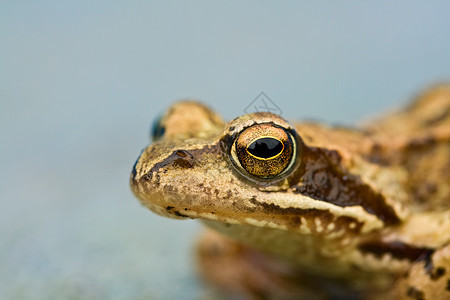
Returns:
<point x="357" y="213"/>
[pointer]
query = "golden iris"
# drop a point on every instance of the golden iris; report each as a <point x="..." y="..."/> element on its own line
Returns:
<point x="264" y="150"/>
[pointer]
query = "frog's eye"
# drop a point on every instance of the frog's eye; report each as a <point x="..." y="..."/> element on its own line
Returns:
<point x="264" y="150"/>
<point x="158" y="129"/>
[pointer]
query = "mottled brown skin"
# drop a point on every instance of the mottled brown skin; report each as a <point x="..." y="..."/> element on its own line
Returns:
<point x="357" y="213"/>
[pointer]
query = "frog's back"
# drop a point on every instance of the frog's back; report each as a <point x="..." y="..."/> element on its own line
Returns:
<point x="418" y="139"/>
<point x="429" y="113"/>
<point x="415" y="140"/>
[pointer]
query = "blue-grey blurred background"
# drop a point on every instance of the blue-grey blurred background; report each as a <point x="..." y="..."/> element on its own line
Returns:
<point x="81" y="81"/>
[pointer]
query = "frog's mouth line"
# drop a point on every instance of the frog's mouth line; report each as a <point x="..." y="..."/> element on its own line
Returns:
<point x="173" y="211"/>
<point x="322" y="219"/>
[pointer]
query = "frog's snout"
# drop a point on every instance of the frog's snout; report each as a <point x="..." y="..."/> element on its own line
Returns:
<point x="149" y="184"/>
<point x="146" y="177"/>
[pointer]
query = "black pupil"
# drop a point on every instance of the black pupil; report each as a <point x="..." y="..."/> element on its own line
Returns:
<point x="265" y="147"/>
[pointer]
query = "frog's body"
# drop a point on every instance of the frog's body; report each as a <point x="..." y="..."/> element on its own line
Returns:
<point x="311" y="211"/>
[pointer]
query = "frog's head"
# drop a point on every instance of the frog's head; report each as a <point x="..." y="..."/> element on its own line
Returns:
<point x="254" y="171"/>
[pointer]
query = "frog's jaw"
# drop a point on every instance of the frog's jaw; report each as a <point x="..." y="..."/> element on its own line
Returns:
<point x="332" y="256"/>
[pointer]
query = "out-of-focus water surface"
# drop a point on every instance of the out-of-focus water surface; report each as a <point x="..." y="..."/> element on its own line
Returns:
<point x="80" y="83"/>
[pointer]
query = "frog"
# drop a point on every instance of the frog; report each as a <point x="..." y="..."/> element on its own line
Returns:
<point x="307" y="210"/>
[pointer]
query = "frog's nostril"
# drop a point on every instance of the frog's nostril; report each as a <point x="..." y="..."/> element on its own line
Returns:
<point x="182" y="158"/>
<point x="182" y="153"/>
<point x="179" y="158"/>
